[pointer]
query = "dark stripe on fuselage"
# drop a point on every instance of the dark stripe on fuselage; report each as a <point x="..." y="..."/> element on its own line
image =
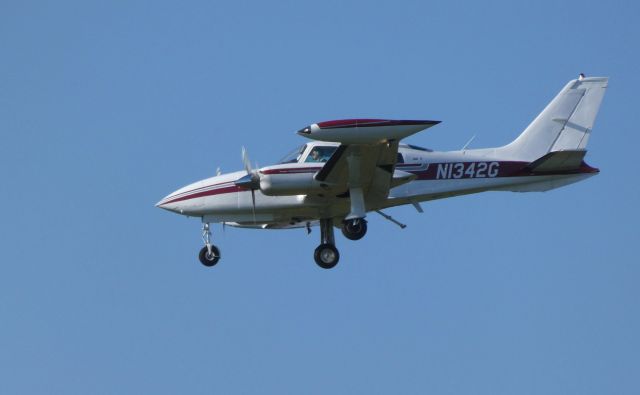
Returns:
<point x="494" y="169"/>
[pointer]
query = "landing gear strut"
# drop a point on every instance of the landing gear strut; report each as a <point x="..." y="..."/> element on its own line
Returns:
<point x="326" y="255"/>
<point x="209" y="254"/>
<point x="354" y="229"/>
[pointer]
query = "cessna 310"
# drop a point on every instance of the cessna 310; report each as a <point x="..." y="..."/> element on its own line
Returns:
<point x="356" y="166"/>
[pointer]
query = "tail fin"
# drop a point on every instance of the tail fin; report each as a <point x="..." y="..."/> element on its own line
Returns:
<point x="566" y="122"/>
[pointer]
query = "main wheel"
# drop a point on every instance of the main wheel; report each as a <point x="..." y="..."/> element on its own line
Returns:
<point x="354" y="229"/>
<point x="209" y="259"/>
<point x="326" y="256"/>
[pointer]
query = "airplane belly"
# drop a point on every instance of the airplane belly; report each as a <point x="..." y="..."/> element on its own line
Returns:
<point x="544" y="183"/>
<point x="428" y="187"/>
<point x="435" y="189"/>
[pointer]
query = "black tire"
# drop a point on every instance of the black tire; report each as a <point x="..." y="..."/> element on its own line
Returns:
<point x="354" y="229"/>
<point x="326" y="256"/>
<point x="207" y="260"/>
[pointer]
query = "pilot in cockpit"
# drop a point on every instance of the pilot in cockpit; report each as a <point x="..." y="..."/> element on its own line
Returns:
<point x="315" y="155"/>
<point x="320" y="154"/>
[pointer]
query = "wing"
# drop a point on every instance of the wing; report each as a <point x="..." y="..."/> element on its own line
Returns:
<point x="363" y="166"/>
<point x="364" y="131"/>
<point x="374" y="173"/>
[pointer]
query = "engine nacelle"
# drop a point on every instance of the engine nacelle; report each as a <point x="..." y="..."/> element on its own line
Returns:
<point x="286" y="181"/>
<point x="364" y="131"/>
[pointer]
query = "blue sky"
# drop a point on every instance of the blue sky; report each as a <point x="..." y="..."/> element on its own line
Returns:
<point x="106" y="107"/>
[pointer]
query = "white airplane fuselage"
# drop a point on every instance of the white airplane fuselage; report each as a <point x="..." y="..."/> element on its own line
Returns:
<point x="437" y="175"/>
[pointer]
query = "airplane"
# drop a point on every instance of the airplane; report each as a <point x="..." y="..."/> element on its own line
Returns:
<point x="352" y="167"/>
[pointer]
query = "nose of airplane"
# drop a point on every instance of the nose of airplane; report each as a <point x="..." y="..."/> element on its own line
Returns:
<point x="189" y="201"/>
<point x="175" y="201"/>
<point x="167" y="204"/>
<point x="180" y="201"/>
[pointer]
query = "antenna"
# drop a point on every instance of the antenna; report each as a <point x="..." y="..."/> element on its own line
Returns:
<point x="468" y="142"/>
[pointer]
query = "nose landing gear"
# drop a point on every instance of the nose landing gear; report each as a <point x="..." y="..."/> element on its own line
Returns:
<point x="209" y="254"/>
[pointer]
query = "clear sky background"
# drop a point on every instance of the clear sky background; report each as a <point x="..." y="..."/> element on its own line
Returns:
<point x="106" y="107"/>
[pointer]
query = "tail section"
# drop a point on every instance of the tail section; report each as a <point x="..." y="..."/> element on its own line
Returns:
<point x="565" y="124"/>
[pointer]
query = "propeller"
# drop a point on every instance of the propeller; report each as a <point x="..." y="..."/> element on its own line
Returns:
<point x="249" y="181"/>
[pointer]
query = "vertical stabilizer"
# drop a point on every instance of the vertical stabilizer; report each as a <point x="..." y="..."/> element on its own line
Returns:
<point x="566" y="122"/>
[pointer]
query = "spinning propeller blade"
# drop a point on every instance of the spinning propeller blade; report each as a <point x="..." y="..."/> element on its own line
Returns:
<point x="246" y="161"/>
<point x="253" y="205"/>
<point x="250" y="181"/>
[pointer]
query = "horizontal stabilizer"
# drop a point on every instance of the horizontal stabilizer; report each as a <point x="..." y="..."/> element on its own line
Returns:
<point x="558" y="161"/>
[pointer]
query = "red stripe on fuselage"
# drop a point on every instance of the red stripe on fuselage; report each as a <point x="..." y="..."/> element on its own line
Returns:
<point x="198" y="189"/>
<point x="212" y="192"/>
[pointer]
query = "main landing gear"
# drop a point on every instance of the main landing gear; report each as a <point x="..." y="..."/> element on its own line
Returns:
<point x="209" y="254"/>
<point x="354" y="229"/>
<point x="326" y="255"/>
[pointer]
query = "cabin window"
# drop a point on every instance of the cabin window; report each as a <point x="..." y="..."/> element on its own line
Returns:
<point x="320" y="154"/>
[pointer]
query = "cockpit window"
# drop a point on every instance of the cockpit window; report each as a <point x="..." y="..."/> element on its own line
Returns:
<point x="320" y="154"/>
<point x="293" y="156"/>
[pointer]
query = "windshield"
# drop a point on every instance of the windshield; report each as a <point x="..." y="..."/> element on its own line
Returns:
<point x="293" y="156"/>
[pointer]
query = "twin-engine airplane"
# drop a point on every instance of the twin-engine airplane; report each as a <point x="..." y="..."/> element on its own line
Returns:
<point x="356" y="166"/>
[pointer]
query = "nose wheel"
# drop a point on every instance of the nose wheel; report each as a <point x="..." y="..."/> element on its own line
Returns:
<point x="209" y="258"/>
<point x="209" y="254"/>
<point x="326" y="254"/>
